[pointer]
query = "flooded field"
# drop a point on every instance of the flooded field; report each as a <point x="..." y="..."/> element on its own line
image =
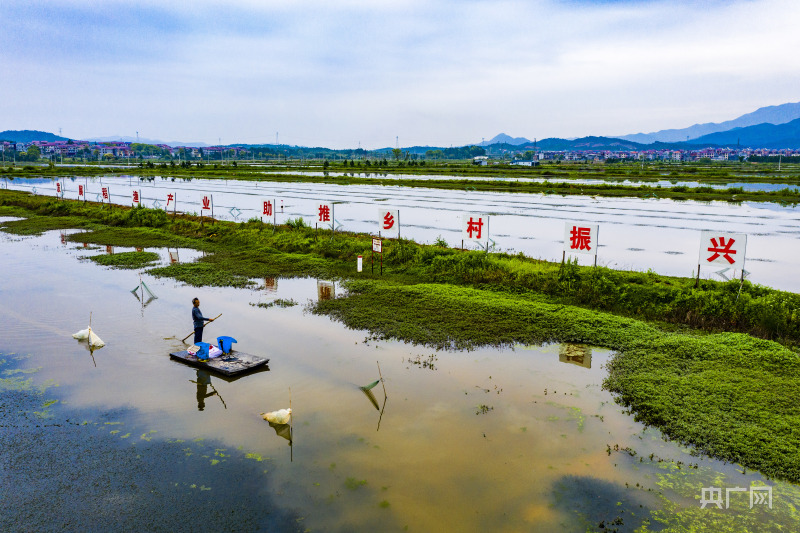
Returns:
<point x="636" y="234"/>
<point x="515" y="439"/>
<point x="666" y="182"/>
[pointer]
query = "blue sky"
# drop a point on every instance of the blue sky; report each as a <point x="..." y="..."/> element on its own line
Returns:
<point x="429" y="72"/>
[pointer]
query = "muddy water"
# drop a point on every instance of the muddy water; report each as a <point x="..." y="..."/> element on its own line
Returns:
<point x="518" y="439"/>
<point x="635" y="234"/>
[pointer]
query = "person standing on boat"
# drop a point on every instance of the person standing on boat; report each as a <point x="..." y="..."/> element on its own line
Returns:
<point x="199" y="320"/>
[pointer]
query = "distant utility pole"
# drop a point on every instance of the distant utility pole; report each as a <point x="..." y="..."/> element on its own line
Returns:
<point x="276" y="138"/>
<point x="137" y="136"/>
<point x="397" y="142"/>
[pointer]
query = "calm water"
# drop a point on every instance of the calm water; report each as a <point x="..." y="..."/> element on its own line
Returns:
<point x="515" y="439"/>
<point x="635" y="234"/>
<point x="665" y="183"/>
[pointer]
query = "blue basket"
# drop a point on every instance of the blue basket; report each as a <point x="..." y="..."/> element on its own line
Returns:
<point x="225" y="343"/>
<point x="202" y="353"/>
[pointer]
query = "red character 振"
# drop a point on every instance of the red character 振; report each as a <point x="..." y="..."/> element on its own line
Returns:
<point x="580" y="238"/>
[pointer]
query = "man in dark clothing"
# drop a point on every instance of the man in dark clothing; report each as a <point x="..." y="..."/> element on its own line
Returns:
<point x="198" y="319"/>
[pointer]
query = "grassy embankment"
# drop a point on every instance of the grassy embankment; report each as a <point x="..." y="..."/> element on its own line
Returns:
<point x="467" y="177"/>
<point x="679" y="366"/>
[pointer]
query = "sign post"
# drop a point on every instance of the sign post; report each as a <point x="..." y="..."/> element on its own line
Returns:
<point x="580" y="238"/>
<point x="377" y="248"/>
<point x="475" y="227"/>
<point x="388" y="222"/>
<point x="722" y="248"/>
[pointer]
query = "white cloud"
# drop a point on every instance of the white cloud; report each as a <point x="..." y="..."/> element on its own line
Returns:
<point x="432" y="72"/>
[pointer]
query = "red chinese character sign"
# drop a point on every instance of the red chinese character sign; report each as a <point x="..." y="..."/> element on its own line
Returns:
<point x="80" y="191"/>
<point x="475" y="227"/>
<point x="58" y="187"/>
<point x="325" y="215"/>
<point x="269" y="208"/>
<point x="580" y="238"/>
<point x="389" y="222"/>
<point x="105" y="193"/>
<point x="727" y="249"/>
<point x="206" y="203"/>
<point x="137" y="197"/>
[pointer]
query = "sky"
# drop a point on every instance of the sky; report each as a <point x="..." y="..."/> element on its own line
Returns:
<point x="350" y="73"/>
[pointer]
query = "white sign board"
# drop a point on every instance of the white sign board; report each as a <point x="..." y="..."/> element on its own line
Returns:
<point x="377" y="246"/>
<point x="580" y="238"/>
<point x="325" y="214"/>
<point x="475" y="227"/>
<point x="389" y="222"/>
<point x="718" y="247"/>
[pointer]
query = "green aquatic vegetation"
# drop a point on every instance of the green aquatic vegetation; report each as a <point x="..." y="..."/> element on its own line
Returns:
<point x="456" y="317"/>
<point x="135" y="237"/>
<point x="201" y="274"/>
<point x="280" y="302"/>
<point x="725" y="394"/>
<point x="37" y="225"/>
<point x="679" y="491"/>
<point x="352" y="483"/>
<point x="127" y="260"/>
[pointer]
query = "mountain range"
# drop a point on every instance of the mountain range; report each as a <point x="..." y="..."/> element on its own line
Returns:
<point x="774" y="127"/>
<point x="776" y="114"/>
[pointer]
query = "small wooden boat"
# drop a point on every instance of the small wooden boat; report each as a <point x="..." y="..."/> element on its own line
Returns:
<point x="229" y="364"/>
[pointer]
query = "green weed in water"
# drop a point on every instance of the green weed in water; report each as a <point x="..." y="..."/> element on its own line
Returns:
<point x="128" y="260"/>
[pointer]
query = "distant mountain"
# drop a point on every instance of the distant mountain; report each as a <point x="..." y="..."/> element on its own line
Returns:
<point x="26" y="136"/>
<point x="143" y="140"/>
<point x="505" y="139"/>
<point x="589" y="143"/>
<point x="759" y="136"/>
<point x="777" y="114"/>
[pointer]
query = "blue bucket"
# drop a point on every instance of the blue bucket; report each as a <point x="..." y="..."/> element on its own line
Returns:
<point x="202" y="353"/>
<point x="225" y="343"/>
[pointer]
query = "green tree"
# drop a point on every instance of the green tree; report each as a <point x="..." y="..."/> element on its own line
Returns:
<point x="34" y="153"/>
<point x="397" y="152"/>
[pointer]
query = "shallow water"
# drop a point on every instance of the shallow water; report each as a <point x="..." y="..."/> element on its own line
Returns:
<point x="521" y="438"/>
<point x="750" y="186"/>
<point x="634" y="233"/>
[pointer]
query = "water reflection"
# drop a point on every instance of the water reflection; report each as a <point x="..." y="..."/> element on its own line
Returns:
<point x="271" y="284"/>
<point x="282" y="430"/>
<point x="326" y="290"/>
<point x="576" y="354"/>
<point x="203" y="383"/>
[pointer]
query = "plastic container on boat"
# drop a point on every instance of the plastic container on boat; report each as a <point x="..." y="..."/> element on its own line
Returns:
<point x="225" y="343"/>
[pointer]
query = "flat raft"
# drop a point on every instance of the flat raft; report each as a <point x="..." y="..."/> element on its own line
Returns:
<point x="228" y="364"/>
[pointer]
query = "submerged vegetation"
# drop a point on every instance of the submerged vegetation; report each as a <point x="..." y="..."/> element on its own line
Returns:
<point x="130" y="260"/>
<point x="700" y="363"/>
